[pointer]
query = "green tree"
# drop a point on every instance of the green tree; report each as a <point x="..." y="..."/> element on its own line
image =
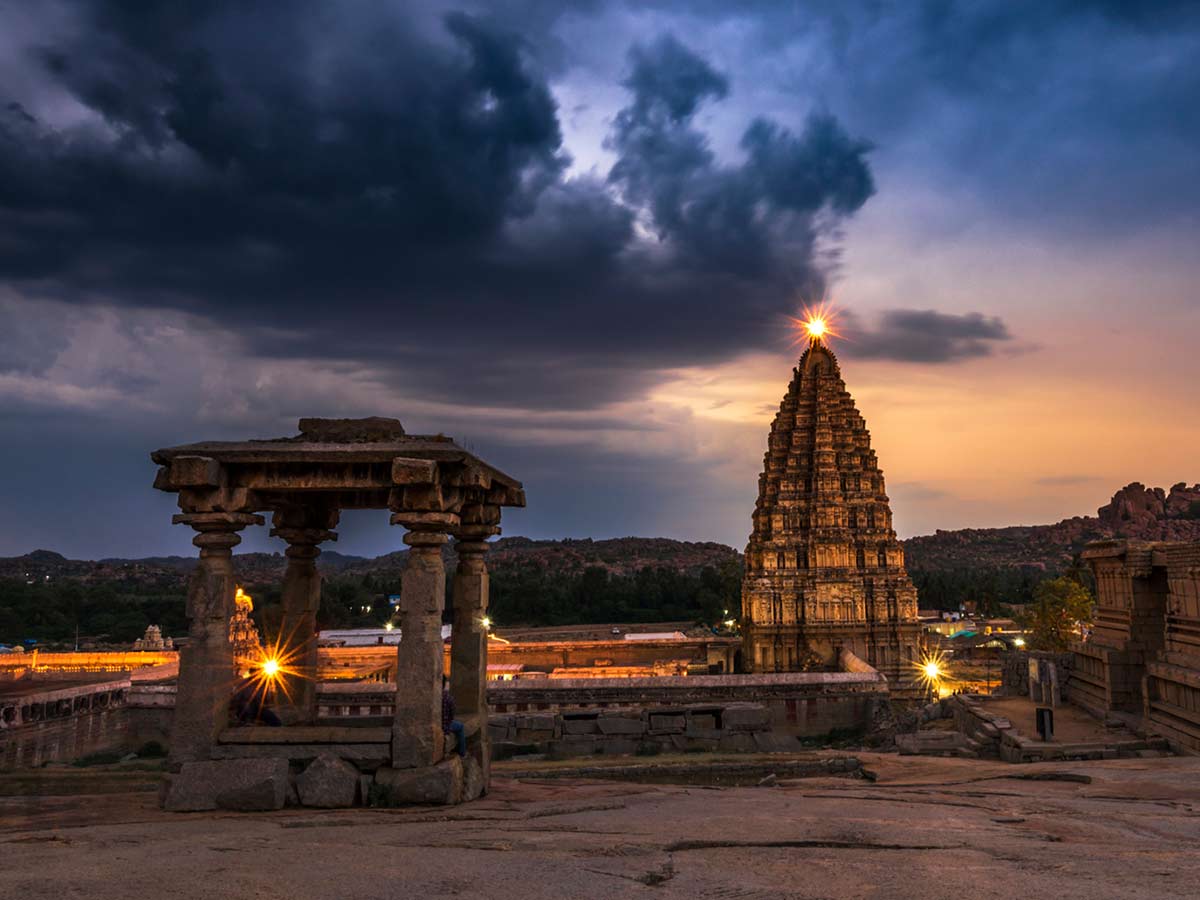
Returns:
<point x="1060" y="606"/>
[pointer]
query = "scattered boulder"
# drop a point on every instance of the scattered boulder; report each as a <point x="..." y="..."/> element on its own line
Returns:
<point x="238" y="784"/>
<point x="328" y="783"/>
<point x="441" y="784"/>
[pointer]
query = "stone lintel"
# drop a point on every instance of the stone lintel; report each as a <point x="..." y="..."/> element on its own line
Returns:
<point x="425" y="525"/>
<point x="407" y="471"/>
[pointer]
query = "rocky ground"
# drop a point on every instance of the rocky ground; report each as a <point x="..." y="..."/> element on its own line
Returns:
<point x="924" y="828"/>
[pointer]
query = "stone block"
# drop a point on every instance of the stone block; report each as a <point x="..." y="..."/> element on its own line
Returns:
<point x="702" y="721"/>
<point x="617" y="746"/>
<point x="694" y="731"/>
<point x="328" y="783"/>
<point x="536" y="722"/>
<point x="701" y="745"/>
<point x="533" y="736"/>
<point x="575" y="745"/>
<point x="667" y="724"/>
<point x="737" y="743"/>
<point x="440" y="784"/>
<point x="579" y="726"/>
<point x="620" y="725"/>
<point x="745" y="717"/>
<point x="501" y="729"/>
<point x="244" y="784"/>
<point x="769" y="742"/>
<point x="474" y="779"/>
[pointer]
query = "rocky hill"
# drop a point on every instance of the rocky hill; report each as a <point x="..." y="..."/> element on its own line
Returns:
<point x="1135" y="511"/>
<point x="619" y="556"/>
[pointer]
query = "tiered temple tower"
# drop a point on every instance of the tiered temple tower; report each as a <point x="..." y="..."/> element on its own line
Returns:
<point x="824" y="571"/>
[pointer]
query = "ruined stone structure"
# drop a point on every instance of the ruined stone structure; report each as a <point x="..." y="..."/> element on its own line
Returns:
<point x="1143" y="657"/>
<point x="434" y="489"/>
<point x="153" y="640"/>
<point x="824" y="571"/>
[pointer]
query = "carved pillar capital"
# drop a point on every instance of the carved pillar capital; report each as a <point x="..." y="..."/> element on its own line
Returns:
<point x="217" y="531"/>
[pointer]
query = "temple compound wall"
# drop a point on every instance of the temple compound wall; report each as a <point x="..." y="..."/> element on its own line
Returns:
<point x="55" y="721"/>
<point x="1143" y="657"/>
<point x="824" y="570"/>
<point x="565" y="717"/>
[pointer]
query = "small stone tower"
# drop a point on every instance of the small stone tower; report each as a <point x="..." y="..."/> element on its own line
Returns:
<point x="824" y="571"/>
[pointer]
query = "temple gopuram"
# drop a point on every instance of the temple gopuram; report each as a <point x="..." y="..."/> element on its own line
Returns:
<point x="824" y="571"/>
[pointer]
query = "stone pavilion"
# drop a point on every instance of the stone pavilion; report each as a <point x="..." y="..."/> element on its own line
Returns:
<point x="824" y="570"/>
<point x="435" y="491"/>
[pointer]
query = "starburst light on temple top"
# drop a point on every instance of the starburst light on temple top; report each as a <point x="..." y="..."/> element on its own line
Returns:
<point x="818" y="323"/>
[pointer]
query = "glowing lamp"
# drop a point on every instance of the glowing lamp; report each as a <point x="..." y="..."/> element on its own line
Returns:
<point x="932" y="670"/>
<point x="1019" y="642"/>
<point x="486" y="622"/>
<point x="270" y="667"/>
<point x="815" y="327"/>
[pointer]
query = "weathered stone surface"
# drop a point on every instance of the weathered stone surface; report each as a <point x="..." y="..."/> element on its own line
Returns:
<point x="737" y="743"/>
<point x="501" y="729"/>
<point x="620" y="725"/>
<point x="671" y="724"/>
<point x="474" y="779"/>
<point x="617" y="746"/>
<point x="536" y="722"/>
<point x="526" y="736"/>
<point x="328" y="783"/>
<point x="575" y="745"/>
<point x="745" y="717"/>
<point x="330" y="431"/>
<point x="579" y="726"/>
<point x="769" y="742"/>
<point x="440" y="784"/>
<point x="228" y="784"/>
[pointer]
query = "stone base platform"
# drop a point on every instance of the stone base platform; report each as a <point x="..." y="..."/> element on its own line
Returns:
<point x="366" y="748"/>
<point x="1173" y="704"/>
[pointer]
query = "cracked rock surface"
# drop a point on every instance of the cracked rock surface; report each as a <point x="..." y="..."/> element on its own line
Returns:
<point x="926" y="827"/>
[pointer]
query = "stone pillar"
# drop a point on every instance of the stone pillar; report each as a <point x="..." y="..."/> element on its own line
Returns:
<point x="304" y="528"/>
<point x="468" y="647"/>
<point x="417" y="738"/>
<point x="206" y="667"/>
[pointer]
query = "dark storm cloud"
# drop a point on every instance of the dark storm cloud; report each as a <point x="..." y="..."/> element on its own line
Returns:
<point x="368" y="188"/>
<point x="925" y="336"/>
<point x="739" y="218"/>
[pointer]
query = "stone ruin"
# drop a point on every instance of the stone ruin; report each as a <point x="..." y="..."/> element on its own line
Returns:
<point x="824" y="570"/>
<point x="435" y="490"/>
<point x="153" y="640"/>
<point x="1143" y="658"/>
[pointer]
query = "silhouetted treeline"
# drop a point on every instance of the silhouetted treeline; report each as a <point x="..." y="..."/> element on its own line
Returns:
<point x="992" y="589"/>
<point x="119" y="613"/>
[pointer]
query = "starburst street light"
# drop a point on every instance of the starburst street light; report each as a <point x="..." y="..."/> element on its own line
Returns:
<point x="932" y="671"/>
<point x="486" y="622"/>
<point x="270" y="667"/>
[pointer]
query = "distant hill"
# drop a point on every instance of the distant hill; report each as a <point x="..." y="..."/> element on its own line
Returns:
<point x="1134" y="511"/>
<point x="618" y="556"/>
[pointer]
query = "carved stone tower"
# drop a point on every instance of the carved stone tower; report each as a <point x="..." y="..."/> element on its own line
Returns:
<point x="824" y="571"/>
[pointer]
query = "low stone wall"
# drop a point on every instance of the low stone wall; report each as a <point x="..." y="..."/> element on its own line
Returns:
<point x="50" y="722"/>
<point x="1014" y="671"/>
<point x="566" y="717"/>
<point x="688" y="713"/>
